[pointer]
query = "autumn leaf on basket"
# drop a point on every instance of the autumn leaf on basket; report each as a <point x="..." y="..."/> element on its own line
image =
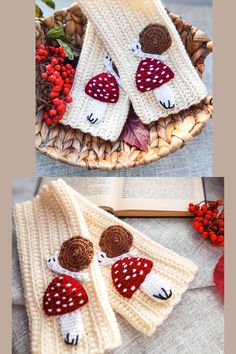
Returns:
<point x="135" y="132"/>
<point x="218" y="275"/>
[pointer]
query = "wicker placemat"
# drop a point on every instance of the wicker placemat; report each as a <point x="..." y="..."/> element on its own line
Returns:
<point x="166" y="135"/>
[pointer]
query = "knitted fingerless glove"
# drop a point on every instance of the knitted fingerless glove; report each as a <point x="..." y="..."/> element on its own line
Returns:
<point x="100" y="104"/>
<point x="155" y="69"/>
<point x="144" y="279"/>
<point x="65" y="294"/>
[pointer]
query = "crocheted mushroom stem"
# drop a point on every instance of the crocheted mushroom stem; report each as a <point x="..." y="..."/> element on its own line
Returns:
<point x="72" y="327"/>
<point x="96" y="111"/>
<point x="155" y="287"/>
<point x="165" y="96"/>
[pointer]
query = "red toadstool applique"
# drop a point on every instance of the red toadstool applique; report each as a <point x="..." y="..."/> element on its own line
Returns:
<point x="128" y="271"/>
<point x="65" y="295"/>
<point x="152" y="73"/>
<point x="104" y="89"/>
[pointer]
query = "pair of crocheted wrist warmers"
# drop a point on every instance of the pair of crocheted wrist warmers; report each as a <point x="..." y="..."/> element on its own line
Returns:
<point x="79" y="264"/>
<point x="132" y="53"/>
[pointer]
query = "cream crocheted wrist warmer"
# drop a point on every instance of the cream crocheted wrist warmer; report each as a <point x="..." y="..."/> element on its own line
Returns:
<point x="91" y="63"/>
<point x="42" y="225"/>
<point x="119" y="23"/>
<point x="140" y="311"/>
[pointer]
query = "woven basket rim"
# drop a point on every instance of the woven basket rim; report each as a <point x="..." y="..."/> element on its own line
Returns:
<point x="201" y="116"/>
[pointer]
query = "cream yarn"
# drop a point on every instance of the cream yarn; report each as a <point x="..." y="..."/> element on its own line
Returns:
<point x="90" y="64"/>
<point x="118" y="23"/>
<point x="140" y="311"/>
<point x="42" y="225"/>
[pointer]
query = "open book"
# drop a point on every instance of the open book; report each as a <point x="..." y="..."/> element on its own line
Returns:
<point x="140" y="196"/>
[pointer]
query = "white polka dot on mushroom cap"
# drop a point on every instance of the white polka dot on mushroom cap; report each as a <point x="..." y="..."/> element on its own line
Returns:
<point x="144" y="63"/>
<point x="116" y="280"/>
<point x="117" y="271"/>
<point x="79" y="294"/>
<point x="63" y="297"/>
<point x="58" y="310"/>
<point x="58" y="302"/>
<point x="70" y="299"/>
<point x="141" y="272"/>
<point x="71" y="304"/>
<point x="64" y="305"/>
<point x="127" y="277"/>
<point x="63" y="290"/>
<point x="68" y="285"/>
<point x="49" y="310"/>
<point x="139" y="263"/>
<point x="56" y="295"/>
<point x="81" y="302"/>
<point x="124" y="290"/>
<point x="163" y="72"/>
<point x="73" y="289"/>
<point x="134" y="270"/>
<point x="58" y="284"/>
<point x="133" y="288"/>
<point x="134" y="275"/>
<point x="119" y="285"/>
<point x="125" y="271"/>
<point x="52" y="288"/>
<point x="61" y="277"/>
<point x="145" y="265"/>
<point x="131" y="262"/>
<point x="116" y="265"/>
<point x="47" y="294"/>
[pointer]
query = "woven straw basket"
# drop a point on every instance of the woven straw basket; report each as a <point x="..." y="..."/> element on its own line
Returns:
<point x="166" y="135"/>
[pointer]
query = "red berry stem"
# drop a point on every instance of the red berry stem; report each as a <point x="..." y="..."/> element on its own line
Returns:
<point x="209" y="220"/>
<point x="54" y="80"/>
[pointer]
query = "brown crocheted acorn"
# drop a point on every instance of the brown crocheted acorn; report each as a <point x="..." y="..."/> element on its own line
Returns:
<point x="76" y="253"/>
<point x="155" y="39"/>
<point x="115" y="240"/>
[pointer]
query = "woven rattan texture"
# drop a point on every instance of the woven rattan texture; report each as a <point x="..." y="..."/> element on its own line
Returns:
<point x="166" y="136"/>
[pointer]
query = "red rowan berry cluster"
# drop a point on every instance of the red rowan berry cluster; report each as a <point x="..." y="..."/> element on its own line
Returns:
<point x="209" y="220"/>
<point x="57" y="77"/>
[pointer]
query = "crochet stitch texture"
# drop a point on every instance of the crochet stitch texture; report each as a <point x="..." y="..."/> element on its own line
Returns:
<point x="42" y="225"/>
<point x="140" y="311"/>
<point x="58" y="213"/>
<point x="91" y="63"/>
<point x="119" y="23"/>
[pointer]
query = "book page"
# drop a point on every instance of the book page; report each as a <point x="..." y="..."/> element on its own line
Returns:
<point x="171" y="194"/>
<point x="99" y="190"/>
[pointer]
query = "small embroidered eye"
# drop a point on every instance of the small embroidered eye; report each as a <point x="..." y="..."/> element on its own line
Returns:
<point x="49" y="260"/>
<point x="102" y="255"/>
<point x="137" y="46"/>
<point x="133" y="49"/>
<point x="54" y="260"/>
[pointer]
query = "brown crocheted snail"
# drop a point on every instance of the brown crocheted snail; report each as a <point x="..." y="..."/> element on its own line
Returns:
<point x="65" y="295"/>
<point x="153" y="73"/>
<point x="129" y="271"/>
